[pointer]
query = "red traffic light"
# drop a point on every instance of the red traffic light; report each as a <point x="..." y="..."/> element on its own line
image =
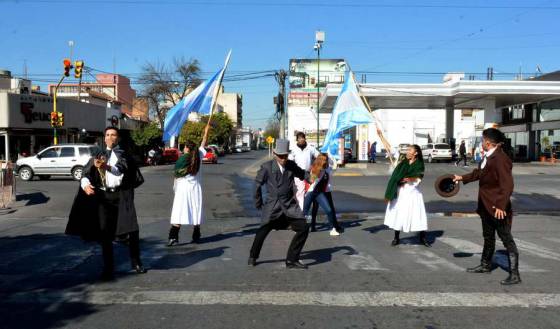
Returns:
<point x="67" y="67"/>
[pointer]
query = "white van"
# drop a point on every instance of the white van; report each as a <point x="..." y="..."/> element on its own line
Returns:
<point x="437" y="152"/>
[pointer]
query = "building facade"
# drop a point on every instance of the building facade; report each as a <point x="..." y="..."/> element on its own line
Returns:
<point x="232" y="105"/>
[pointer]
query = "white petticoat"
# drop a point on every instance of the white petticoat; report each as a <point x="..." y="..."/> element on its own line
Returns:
<point x="187" y="202"/>
<point x="407" y="212"/>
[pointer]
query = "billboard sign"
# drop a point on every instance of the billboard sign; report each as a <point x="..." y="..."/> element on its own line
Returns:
<point x="303" y="80"/>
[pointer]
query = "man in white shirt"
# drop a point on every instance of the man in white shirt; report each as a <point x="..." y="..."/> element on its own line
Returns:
<point x="303" y="155"/>
<point x="104" y="207"/>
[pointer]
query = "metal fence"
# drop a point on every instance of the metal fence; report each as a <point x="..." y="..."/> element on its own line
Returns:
<point x="7" y="184"/>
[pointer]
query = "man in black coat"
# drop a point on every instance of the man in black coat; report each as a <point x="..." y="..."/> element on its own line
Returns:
<point x="280" y="210"/>
<point x="462" y="154"/>
<point x="104" y="206"/>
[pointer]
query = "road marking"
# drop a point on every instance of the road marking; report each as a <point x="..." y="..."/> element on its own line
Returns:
<point x="557" y="240"/>
<point x="429" y="259"/>
<point x="473" y="248"/>
<point x="285" y="298"/>
<point x="363" y="262"/>
<point x="536" y="250"/>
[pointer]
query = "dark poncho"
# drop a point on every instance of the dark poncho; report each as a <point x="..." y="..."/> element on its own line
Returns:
<point x="403" y="170"/>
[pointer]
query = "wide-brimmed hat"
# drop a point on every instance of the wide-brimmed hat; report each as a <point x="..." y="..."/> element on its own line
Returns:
<point x="282" y="147"/>
<point x="445" y="186"/>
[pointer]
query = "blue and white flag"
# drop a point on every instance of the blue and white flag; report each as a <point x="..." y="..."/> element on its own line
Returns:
<point x="199" y="100"/>
<point x="349" y="111"/>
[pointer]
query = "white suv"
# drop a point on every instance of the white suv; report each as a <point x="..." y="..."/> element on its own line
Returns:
<point x="59" y="160"/>
<point x="437" y="152"/>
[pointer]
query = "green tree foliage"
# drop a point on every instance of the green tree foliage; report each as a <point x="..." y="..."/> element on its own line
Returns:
<point x="272" y="128"/>
<point x="148" y="135"/>
<point x="221" y="127"/>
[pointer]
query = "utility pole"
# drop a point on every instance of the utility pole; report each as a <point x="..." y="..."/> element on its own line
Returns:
<point x="281" y="101"/>
<point x="319" y="39"/>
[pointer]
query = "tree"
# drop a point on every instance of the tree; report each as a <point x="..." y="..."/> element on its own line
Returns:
<point x="165" y="86"/>
<point x="220" y="130"/>
<point x="272" y="128"/>
<point x="148" y="135"/>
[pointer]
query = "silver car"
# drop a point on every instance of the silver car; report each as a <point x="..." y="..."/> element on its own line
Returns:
<point x="437" y="152"/>
<point x="59" y="160"/>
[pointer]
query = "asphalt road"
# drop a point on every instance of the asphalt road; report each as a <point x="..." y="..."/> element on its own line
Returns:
<point x="356" y="280"/>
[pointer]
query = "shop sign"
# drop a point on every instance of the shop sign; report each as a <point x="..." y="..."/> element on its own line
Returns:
<point x="31" y="116"/>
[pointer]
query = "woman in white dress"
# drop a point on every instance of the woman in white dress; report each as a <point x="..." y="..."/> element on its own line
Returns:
<point x="405" y="205"/>
<point x="187" y="203"/>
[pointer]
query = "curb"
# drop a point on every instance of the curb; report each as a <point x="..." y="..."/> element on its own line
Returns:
<point x="251" y="171"/>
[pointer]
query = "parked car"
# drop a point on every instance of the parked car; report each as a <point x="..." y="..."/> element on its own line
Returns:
<point x="403" y="148"/>
<point x="437" y="152"/>
<point x="210" y="156"/>
<point x="348" y="156"/>
<point x="59" y="160"/>
<point x="170" y="155"/>
<point x="220" y="149"/>
<point x="215" y="149"/>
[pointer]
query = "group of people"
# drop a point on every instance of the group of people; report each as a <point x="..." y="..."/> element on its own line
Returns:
<point x="297" y="183"/>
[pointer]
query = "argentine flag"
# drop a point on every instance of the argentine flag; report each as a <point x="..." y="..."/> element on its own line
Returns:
<point x="349" y="111"/>
<point x="198" y="100"/>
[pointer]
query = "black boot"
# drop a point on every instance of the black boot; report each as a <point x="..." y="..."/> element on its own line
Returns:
<point x="423" y="240"/>
<point x="396" y="240"/>
<point x="513" y="277"/>
<point x="196" y="234"/>
<point x="484" y="267"/>
<point x="173" y="235"/>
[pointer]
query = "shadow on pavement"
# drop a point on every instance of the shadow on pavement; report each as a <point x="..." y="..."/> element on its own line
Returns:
<point x="176" y="260"/>
<point x="33" y="198"/>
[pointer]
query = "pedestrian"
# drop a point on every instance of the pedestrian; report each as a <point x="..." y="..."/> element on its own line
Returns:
<point x="318" y="191"/>
<point x="405" y="204"/>
<point x="152" y="157"/>
<point x="104" y="206"/>
<point x="495" y="179"/>
<point x="187" y="202"/>
<point x="462" y="154"/>
<point x="373" y="152"/>
<point x="280" y="209"/>
<point x="303" y="155"/>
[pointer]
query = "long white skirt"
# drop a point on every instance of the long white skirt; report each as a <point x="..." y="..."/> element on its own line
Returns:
<point x="187" y="203"/>
<point x="407" y="212"/>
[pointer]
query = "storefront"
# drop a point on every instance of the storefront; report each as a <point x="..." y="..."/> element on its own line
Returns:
<point x="25" y="125"/>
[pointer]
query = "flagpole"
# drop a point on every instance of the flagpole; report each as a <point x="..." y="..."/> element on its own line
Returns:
<point x="214" y="99"/>
<point x="377" y="122"/>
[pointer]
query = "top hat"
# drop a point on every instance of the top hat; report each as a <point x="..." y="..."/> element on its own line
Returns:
<point x="282" y="147"/>
<point x="445" y="186"/>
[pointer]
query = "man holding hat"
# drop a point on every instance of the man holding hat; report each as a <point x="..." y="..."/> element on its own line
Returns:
<point x="494" y="204"/>
<point x="280" y="209"/>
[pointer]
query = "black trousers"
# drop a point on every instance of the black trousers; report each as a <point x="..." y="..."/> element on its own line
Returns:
<point x="462" y="157"/>
<point x="297" y="225"/>
<point x="108" y="214"/>
<point x="491" y="226"/>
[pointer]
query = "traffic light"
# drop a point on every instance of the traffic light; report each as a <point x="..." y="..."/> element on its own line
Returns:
<point x="67" y="67"/>
<point x="78" y="67"/>
<point x="54" y="119"/>
<point x="60" y="119"/>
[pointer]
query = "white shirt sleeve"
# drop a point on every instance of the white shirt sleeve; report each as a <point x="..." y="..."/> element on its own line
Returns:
<point x="84" y="182"/>
<point x="202" y="151"/>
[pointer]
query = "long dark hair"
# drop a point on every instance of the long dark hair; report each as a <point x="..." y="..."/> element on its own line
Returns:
<point x="193" y="165"/>
<point x="418" y="150"/>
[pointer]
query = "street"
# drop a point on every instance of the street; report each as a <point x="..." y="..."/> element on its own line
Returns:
<point x="356" y="280"/>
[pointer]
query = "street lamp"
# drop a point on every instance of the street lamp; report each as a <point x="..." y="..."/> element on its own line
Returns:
<point x="319" y="39"/>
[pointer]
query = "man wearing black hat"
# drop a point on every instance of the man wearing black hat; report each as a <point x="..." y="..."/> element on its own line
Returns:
<point x="494" y="204"/>
<point x="280" y="209"/>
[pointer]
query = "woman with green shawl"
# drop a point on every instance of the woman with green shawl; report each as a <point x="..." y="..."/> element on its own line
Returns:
<point x="187" y="201"/>
<point x="405" y="205"/>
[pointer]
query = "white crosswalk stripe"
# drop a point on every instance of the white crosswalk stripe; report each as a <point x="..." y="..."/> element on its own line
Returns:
<point x="364" y="262"/>
<point x="537" y="250"/>
<point x="430" y="259"/>
<point x="473" y="248"/>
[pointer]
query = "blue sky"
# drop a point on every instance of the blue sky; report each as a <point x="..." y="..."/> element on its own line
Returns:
<point x="377" y="36"/>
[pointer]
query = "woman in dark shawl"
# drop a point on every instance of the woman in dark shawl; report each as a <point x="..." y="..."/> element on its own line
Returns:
<point x="405" y="204"/>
